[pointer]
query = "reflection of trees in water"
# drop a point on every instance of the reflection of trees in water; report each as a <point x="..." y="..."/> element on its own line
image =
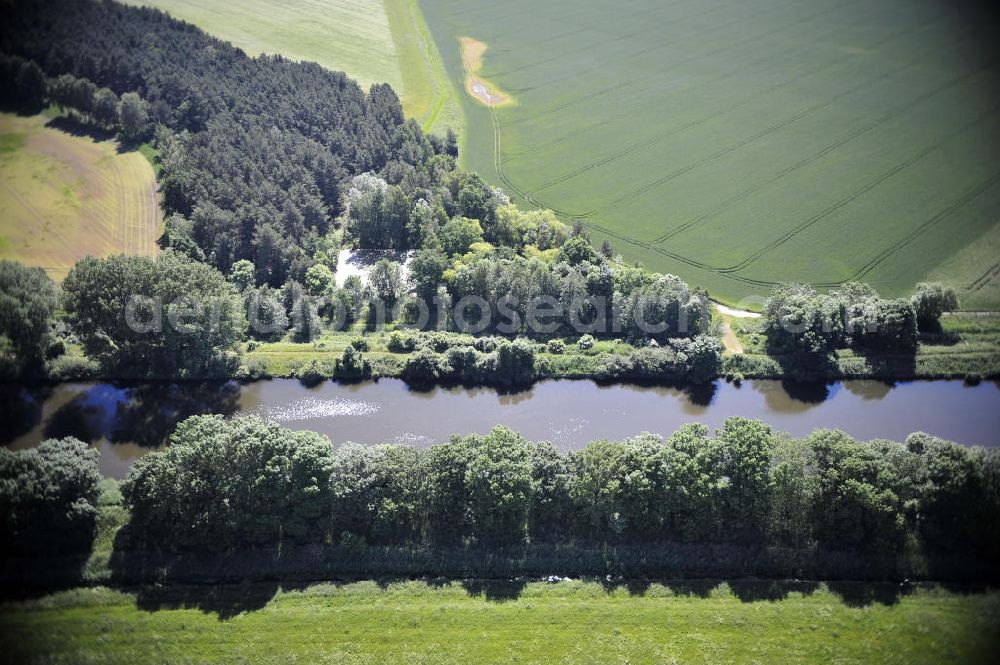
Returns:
<point x="88" y="415"/>
<point x="700" y="395"/>
<point x="143" y="414"/>
<point x="791" y="396"/>
<point x="515" y="395"/>
<point x="20" y="410"/>
<point x="153" y="410"/>
<point x="868" y="390"/>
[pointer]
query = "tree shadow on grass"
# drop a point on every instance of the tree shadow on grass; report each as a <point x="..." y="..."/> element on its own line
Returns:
<point x="497" y="591"/>
<point x="224" y="600"/>
<point x="863" y="594"/>
<point x="889" y="364"/>
<point x="73" y="126"/>
<point x="751" y="591"/>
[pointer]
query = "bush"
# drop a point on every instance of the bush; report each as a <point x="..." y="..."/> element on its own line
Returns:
<point x="72" y="368"/>
<point x="55" y="349"/>
<point x="556" y="346"/>
<point x="352" y="365"/>
<point x="313" y="373"/>
<point x="48" y="498"/>
<point x="425" y="366"/>
<point x="701" y="357"/>
<point x="585" y="342"/>
<point x="401" y="343"/>
<point x="614" y="366"/>
<point x="464" y="363"/>
<point x="253" y="369"/>
<point x="513" y="363"/>
<point x="359" y="344"/>
<point x="486" y="344"/>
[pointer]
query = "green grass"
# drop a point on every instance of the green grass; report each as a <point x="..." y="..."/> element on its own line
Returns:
<point x="352" y="36"/>
<point x="428" y="93"/>
<point x="742" y="144"/>
<point x="573" y="622"/>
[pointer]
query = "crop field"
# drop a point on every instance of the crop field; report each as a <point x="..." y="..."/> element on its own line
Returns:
<point x="371" y="40"/>
<point x="740" y="144"/>
<point x="477" y="622"/>
<point x="65" y="196"/>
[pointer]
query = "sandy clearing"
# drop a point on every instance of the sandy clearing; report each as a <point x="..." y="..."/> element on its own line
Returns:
<point x="357" y="262"/>
<point x="479" y="88"/>
<point x="737" y="313"/>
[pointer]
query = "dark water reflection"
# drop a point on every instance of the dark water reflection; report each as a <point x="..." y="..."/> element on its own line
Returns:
<point x="125" y="421"/>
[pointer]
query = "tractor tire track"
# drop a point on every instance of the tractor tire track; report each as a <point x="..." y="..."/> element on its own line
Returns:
<point x="759" y="94"/>
<point x="900" y="110"/>
<point x="785" y="237"/>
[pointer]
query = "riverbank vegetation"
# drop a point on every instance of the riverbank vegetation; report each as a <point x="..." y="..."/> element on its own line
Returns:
<point x="244" y="499"/>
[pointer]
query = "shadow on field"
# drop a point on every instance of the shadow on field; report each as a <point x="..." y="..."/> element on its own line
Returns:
<point x="497" y="591"/>
<point x="224" y="600"/>
<point x="71" y="125"/>
<point x="852" y="594"/>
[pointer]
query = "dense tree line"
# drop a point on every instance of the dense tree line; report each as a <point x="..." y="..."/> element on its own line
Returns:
<point x="804" y="327"/>
<point x="28" y="301"/>
<point x="229" y="484"/>
<point x="48" y="498"/>
<point x="169" y="316"/>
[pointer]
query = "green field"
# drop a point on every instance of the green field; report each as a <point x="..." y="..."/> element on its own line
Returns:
<point x="372" y="40"/>
<point x="739" y="144"/>
<point x="571" y="622"/>
<point x="344" y="35"/>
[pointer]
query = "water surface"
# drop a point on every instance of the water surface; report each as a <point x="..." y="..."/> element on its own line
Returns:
<point x="124" y="422"/>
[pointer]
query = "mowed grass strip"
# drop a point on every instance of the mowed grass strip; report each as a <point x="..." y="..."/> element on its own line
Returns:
<point x="351" y="36"/>
<point x="740" y="144"/>
<point x="66" y="196"/>
<point x="576" y="622"/>
<point x="428" y="93"/>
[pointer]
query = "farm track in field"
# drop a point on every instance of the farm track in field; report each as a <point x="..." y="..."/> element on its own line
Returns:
<point x="785" y="237"/>
<point x="709" y="138"/>
<point x="991" y="273"/>
<point x="649" y="187"/>
<point x="658" y="138"/>
<point x="726" y="271"/>
<point x="897" y="112"/>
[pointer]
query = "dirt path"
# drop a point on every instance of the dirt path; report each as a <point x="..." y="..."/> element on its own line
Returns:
<point x="737" y="313"/>
<point x="730" y="341"/>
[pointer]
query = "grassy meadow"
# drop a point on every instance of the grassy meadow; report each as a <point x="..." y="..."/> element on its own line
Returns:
<point x="344" y="35"/>
<point x="573" y="621"/>
<point x="428" y="93"/>
<point x="67" y="195"/>
<point x="743" y="144"/>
